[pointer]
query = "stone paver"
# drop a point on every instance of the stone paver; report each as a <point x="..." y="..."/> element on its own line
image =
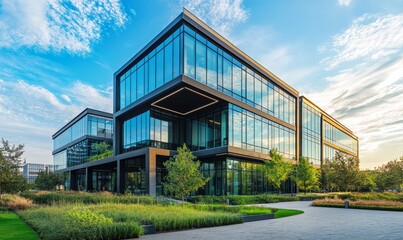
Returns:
<point x="315" y="223"/>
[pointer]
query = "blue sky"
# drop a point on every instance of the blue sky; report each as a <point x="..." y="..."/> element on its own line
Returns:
<point x="58" y="57"/>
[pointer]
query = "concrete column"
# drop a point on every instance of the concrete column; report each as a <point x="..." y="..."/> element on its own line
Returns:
<point x="120" y="173"/>
<point x="151" y="171"/>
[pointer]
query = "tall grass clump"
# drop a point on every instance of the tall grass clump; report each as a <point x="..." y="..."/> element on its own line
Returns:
<point x="72" y="197"/>
<point x="69" y="222"/>
<point x="15" y="202"/>
<point x="244" y="199"/>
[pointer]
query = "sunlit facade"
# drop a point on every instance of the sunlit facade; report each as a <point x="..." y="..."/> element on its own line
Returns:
<point x="72" y="143"/>
<point x="322" y="136"/>
<point x="190" y="85"/>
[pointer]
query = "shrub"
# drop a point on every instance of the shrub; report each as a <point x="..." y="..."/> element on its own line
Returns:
<point x="86" y="217"/>
<point x="362" y="204"/>
<point x="68" y="197"/>
<point x="18" y="203"/>
<point x="49" y="223"/>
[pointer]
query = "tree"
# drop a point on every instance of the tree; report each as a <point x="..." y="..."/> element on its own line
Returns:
<point x="11" y="181"/>
<point x="341" y="173"/>
<point x="48" y="180"/>
<point x="390" y="175"/>
<point x="101" y="147"/>
<point x="12" y="153"/>
<point x="183" y="173"/>
<point x="306" y="176"/>
<point x="276" y="170"/>
<point x="366" y="181"/>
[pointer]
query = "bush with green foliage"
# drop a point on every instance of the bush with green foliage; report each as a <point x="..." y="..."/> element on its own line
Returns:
<point x="47" y="180"/>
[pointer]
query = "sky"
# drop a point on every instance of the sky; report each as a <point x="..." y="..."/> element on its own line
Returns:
<point x="58" y="58"/>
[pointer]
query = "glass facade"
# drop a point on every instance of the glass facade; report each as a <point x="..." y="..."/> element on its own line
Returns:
<point x="337" y="137"/>
<point x="160" y="66"/>
<point x="209" y="64"/>
<point x="311" y="134"/>
<point x="88" y="125"/>
<point x="31" y="170"/>
<point x="208" y="129"/>
<point x="255" y="133"/>
<point x="153" y="129"/>
<point x="234" y="176"/>
<point x="214" y="67"/>
<point x="134" y="175"/>
<point x="76" y="154"/>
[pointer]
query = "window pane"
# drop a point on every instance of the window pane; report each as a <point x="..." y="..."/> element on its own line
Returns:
<point x="190" y="58"/>
<point x="168" y="62"/>
<point x="201" y="62"/>
<point x="227" y="74"/>
<point x="151" y="74"/>
<point x="211" y="68"/>
<point x="176" y="57"/>
<point x="160" y="69"/>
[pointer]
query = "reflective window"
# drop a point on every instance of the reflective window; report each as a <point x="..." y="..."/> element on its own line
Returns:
<point x="233" y="78"/>
<point x="88" y="125"/>
<point x="339" y="138"/>
<point x="160" y="66"/>
<point x="311" y="134"/>
<point x="255" y="133"/>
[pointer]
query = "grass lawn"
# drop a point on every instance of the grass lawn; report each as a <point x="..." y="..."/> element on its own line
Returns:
<point x="12" y="227"/>
<point x="280" y="213"/>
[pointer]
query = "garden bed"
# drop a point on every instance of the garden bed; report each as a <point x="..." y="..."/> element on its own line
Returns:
<point x="386" y="205"/>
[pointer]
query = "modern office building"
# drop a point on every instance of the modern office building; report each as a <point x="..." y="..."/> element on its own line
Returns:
<point x="31" y="170"/>
<point x="322" y="135"/>
<point x="72" y="143"/>
<point x="190" y="85"/>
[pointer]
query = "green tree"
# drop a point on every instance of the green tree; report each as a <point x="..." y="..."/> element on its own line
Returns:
<point x="306" y="176"/>
<point x="277" y="170"/>
<point x="11" y="153"/>
<point x="101" y="147"/>
<point x="390" y="175"/>
<point x="341" y="173"/>
<point x="183" y="173"/>
<point x="366" y="182"/>
<point x="48" y="180"/>
<point x="11" y="180"/>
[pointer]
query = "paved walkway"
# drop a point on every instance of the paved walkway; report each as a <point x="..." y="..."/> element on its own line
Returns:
<point x="315" y="223"/>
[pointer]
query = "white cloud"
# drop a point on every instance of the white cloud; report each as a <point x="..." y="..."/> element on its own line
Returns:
<point x="70" y="26"/>
<point x="221" y="15"/>
<point x="367" y="94"/>
<point x="369" y="37"/>
<point x="344" y="3"/>
<point x="30" y="113"/>
<point x="66" y="98"/>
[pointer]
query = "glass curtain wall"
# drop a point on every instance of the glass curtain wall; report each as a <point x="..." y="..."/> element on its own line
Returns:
<point x="134" y="175"/>
<point x="88" y="125"/>
<point x="255" y="133"/>
<point x="208" y="130"/>
<point x="311" y="134"/>
<point x="153" y="129"/>
<point x="104" y="181"/>
<point x="210" y="65"/>
<point x="160" y="66"/>
<point x="339" y="138"/>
